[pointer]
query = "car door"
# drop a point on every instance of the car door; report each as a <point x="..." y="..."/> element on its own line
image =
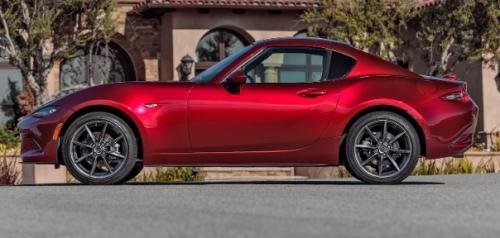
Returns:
<point x="284" y="105"/>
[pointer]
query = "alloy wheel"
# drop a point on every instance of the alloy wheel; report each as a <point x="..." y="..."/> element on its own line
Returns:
<point x="98" y="149"/>
<point x="382" y="148"/>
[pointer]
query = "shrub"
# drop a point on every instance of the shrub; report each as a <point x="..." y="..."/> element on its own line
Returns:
<point x="495" y="142"/>
<point x="9" y="174"/>
<point x="427" y="167"/>
<point x="177" y="174"/>
<point x="9" y="148"/>
<point x="9" y="139"/>
<point x="343" y="173"/>
<point x="452" y="166"/>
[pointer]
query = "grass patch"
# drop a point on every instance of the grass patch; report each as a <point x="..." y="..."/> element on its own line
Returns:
<point x="176" y="174"/>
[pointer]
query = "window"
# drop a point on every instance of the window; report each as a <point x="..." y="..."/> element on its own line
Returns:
<point x="10" y="84"/>
<point x="340" y="66"/>
<point x="299" y="65"/>
<point x="216" y="45"/>
<point x="111" y="64"/>
<point x="209" y="74"/>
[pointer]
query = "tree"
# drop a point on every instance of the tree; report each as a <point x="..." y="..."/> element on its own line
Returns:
<point x="371" y="25"/>
<point x="457" y="31"/>
<point x="37" y="33"/>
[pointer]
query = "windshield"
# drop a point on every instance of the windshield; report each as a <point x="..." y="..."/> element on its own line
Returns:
<point x="210" y="73"/>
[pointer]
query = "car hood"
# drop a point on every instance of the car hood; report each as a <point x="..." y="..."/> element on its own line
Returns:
<point x="123" y="92"/>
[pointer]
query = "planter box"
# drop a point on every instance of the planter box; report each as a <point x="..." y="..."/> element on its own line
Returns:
<point x="247" y="173"/>
<point x="47" y="174"/>
<point x="484" y="157"/>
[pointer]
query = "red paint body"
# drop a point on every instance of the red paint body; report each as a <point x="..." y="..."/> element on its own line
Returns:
<point x="264" y="124"/>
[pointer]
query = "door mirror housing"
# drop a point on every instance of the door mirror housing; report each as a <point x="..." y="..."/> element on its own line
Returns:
<point x="237" y="78"/>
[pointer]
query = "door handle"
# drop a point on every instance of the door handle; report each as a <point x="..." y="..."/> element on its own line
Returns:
<point x="311" y="92"/>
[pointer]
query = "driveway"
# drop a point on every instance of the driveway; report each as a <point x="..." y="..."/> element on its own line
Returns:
<point x="434" y="206"/>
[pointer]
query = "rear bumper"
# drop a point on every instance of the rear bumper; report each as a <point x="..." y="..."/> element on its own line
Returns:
<point x="462" y="138"/>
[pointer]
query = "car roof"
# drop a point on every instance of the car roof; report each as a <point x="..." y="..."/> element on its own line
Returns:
<point x="366" y="63"/>
<point x="303" y="39"/>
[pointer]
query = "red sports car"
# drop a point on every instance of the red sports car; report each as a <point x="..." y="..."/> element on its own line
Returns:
<point x="278" y="102"/>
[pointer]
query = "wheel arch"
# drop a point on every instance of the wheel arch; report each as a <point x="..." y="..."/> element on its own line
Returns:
<point x="390" y="108"/>
<point x="100" y="108"/>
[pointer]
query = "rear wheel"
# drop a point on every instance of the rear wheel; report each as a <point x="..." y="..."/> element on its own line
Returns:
<point x="100" y="148"/>
<point x="382" y="147"/>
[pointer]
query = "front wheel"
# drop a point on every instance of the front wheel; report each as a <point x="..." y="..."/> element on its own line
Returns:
<point x="382" y="147"/>
<point x="100" y="148"/>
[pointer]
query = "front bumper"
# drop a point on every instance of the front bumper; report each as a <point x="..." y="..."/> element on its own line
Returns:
<point x="39" y="138"/>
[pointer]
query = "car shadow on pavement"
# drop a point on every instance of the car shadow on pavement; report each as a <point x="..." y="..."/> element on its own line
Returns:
<point x="259" y="182"/>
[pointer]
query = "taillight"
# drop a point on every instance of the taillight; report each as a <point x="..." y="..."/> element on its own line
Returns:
<point x="460" y="96"/>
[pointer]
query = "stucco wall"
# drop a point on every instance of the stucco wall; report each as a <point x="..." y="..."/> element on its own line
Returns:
<point x="491" y="98"/>
<point x="189" y="26"/>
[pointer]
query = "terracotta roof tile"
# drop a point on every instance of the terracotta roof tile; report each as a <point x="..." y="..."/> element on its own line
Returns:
<point x="250" y="4"/>
<point x="244" y="4"/>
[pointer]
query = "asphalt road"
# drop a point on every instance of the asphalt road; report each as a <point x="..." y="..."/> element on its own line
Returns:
<point x="437" y="206"/>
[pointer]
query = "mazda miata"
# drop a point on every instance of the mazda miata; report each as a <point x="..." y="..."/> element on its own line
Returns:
<point x="278" y="102"/>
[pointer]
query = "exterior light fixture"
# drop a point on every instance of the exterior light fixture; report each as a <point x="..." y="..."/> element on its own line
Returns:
<point x="186" y="66"/>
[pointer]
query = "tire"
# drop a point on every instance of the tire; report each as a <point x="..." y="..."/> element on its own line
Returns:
<point x="94" y="157"/>
<point x="382" y="148"/>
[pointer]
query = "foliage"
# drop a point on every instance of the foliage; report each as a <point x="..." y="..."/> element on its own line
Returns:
<point x="452" y="166"/>
<point x="341" y="172"/>
<point x="495" y="142"/>
<point x="371" y="25"/>
<point x="177" y="174"/>
<point x="9" y="174"/>
<point x="478" y="145"/>
<point x="447" y="33"/>
<point x="35" y="34"/>
<point x="457" y="31"/>
<point x="9" y="139"/>
<point x="9" y="144"/>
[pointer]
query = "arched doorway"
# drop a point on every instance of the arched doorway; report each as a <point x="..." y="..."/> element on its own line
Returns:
<point x="110" y="64"/>
<point x="217" y="44"/>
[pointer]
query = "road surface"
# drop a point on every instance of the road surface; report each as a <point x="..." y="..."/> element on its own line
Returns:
<point x="434" y="206"/>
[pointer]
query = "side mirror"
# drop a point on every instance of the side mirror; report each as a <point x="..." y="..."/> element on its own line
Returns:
<point x="237" y="78"/>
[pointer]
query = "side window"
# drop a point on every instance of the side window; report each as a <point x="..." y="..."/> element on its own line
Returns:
<point x="340" y="66"/>
<point x="288" y="66"/>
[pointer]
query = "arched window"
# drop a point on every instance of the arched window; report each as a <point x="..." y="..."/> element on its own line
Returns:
<point x="110" y="64"/>
<point x="216" y="45"/>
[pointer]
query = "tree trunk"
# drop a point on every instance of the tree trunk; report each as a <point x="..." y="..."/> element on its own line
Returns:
<point x="26" y="98"/>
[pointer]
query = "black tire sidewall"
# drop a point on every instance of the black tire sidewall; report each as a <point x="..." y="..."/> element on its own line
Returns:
<point x="129" y="136"/>
<point x="353" y="165"/>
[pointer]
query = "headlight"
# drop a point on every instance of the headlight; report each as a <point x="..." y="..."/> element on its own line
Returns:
<point x="44" y="111"/>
